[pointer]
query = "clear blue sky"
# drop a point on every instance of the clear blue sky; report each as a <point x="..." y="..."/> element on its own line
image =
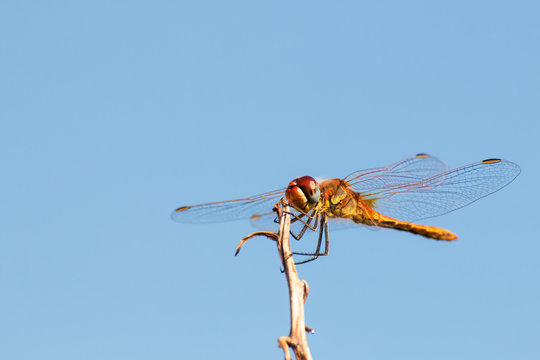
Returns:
<point x="115" y="113"/>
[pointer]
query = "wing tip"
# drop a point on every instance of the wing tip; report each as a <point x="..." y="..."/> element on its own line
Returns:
<point x="491" y="161"/>
<point x="176" y="214"/>
<point x="516" y="170"/>
<point x="255" y="217"/>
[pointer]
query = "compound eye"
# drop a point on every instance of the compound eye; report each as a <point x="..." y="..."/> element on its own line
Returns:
<point x="310" y="188"/>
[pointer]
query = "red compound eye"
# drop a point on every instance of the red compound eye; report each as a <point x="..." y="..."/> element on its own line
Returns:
<point x="302" y="191"/>
<point x="310" y="188"/>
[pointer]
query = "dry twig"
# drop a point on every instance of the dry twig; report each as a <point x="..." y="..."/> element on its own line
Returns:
<point x="298" y="289"/>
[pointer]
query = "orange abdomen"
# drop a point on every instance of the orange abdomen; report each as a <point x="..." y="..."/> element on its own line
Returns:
<point x="432" y="232"/>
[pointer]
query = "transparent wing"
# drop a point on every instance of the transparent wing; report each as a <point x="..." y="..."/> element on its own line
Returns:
<point x="228" y="210"/>
<point x="411" y="169"/>
<point x="414" y="168"/>
<point x="410" y="198"/>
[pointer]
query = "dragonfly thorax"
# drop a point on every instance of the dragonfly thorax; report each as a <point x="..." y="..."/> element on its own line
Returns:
<point x="303" y="192"/>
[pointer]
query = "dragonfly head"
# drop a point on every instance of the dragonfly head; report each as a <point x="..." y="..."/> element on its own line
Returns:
<point x="303" y="192"/>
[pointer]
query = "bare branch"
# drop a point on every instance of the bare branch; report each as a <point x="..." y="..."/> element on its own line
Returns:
<point x="298" y="291"/>
<point x="268" y="234"/>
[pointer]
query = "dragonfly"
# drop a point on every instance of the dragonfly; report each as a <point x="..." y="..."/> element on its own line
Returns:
<point x="395" y="197"/>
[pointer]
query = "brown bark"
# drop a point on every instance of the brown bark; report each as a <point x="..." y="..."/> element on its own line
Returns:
<point x="298" y="289"/>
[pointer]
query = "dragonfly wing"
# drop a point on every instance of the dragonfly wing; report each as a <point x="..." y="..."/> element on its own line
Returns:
<point x="266" y="221"/>
<point x="443" y="193"/>
<point x="414" y="168"/>
<point x="411" y="169"/>
<point x="227" y="210"/>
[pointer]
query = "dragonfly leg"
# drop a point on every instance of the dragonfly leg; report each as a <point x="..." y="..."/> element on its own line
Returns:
<point x="310" y="217"/>
<point x="307" y="225"/>
<point x="317" y="253"/>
